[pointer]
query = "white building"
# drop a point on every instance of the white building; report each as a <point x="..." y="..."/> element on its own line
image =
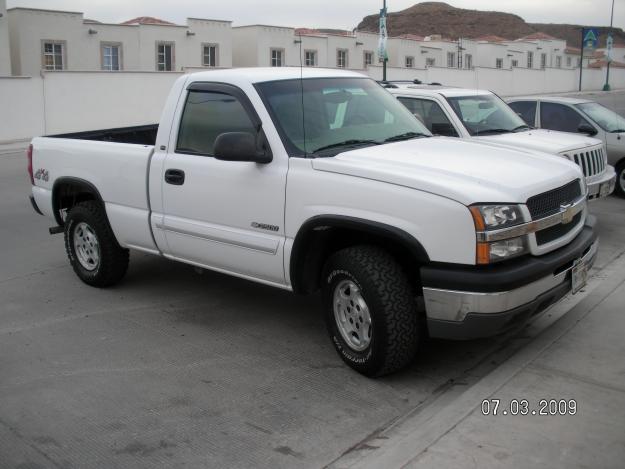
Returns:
<point x="5" y="51"/>
<point x="278" y="46"/>
<point x="61" y="40"/>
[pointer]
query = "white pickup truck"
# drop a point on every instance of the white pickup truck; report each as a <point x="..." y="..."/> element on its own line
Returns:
<point x="480" y="114"/>
<point x="321" y="180"/>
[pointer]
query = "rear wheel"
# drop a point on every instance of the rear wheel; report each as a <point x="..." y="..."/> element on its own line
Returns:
<point x="93" y="251"/>
<point x="370" y="310"/>
<point x="620" y="179"/>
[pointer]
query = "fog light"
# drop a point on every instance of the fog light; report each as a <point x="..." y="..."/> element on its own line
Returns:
<point x="500" y="250"/>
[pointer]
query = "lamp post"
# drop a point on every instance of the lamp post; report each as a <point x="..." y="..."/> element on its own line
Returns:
<point x="606" y="87"/>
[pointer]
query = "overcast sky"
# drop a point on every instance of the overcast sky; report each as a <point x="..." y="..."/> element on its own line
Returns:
<point x="343" y="14"/>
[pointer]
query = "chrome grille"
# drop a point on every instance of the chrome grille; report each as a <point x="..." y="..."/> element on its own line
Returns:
<point x="548" y="203"/>
<point x="591" y="161"/>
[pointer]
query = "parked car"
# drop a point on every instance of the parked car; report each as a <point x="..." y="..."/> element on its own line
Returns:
<point x="317" y="179"/>
<point x="482" y="115"/>
<point x="580" y="116"/>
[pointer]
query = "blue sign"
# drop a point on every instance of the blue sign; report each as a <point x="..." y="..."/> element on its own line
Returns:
<point x="591" y="38"/>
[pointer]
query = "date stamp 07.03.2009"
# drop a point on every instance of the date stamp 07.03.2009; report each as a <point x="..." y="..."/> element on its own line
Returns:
<point x="497" y="407"/>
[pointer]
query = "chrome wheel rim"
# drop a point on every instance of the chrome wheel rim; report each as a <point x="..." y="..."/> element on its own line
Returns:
<point x="86" y="246"/>
<point x="352" y="316"/>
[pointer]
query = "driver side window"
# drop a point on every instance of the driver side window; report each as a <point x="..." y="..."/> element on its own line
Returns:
<point x="206" y="115"/>
<point x="555" y="116"/>
<point x="430" y="114"/>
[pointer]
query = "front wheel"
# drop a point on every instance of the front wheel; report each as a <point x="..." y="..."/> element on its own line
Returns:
<point x="93" y="251"/>
<point x="370" y="310"/>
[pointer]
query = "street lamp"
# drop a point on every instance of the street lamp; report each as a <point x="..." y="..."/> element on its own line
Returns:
<point x="606" y="87"/>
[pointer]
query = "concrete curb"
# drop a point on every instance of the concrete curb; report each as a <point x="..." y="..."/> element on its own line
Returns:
<point x="402" y="442"/>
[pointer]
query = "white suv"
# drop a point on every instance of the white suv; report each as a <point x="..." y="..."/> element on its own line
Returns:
<point x="579" y="116"/>
<point x="480" y="114"/>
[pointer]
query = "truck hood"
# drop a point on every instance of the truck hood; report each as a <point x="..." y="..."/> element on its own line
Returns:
<point x="548" y="141"/>
<point x="465" y="171"/>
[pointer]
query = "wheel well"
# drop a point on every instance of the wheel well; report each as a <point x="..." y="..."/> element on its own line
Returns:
<point x="322" y="236"/>
<point x="67" y="192"/>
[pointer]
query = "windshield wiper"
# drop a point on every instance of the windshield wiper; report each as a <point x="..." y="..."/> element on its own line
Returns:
<point x="492" y="131"/>
<point x="404" y="136"/>
<point x="522" y="127"/>
<point x="617" y="131"/>
<point x="347" y="143"/>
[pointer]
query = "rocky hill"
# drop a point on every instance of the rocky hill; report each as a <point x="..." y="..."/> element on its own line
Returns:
<point x="429" y="18"/>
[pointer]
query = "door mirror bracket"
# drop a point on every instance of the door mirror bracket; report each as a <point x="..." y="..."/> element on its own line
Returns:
<point x="587" y="129"/>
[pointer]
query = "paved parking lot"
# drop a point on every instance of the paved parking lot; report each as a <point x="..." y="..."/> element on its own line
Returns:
<point x="176" y="369"/>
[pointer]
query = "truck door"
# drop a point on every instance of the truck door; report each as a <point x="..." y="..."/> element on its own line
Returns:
<point x="224" y="215"/>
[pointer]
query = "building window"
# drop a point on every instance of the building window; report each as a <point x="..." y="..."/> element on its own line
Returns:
<point x="165" y="56"/>
<point x="409" y="62"/>
<point x="543" y="60"/>
<point x="368" y="58"/>
<point x="568" y="61"/>
<point x="515" y="63"/>
<point x="430" y="62"/>
<point x="111" y="56"/>
<point x="209" y="55"/>
<point x="468" y="61"/>
<point x="451" y="60"/>
<point x="559" y="61"/>
<point x="277" y="57"/>
<point x="310" y="58"/>
<point x="341" y="58"/>
<point x="498" y="63"/>
<point x="53" y="55"/>
<point x="530" y="60"/>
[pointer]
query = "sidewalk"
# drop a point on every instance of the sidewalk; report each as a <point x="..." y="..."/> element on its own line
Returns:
<point x="581" y="357"/>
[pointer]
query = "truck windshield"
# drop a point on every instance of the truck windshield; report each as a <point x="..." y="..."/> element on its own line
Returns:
<point x="606" y="119"/>
<point x="325" y="116"/>
<point x="486" y="115"/>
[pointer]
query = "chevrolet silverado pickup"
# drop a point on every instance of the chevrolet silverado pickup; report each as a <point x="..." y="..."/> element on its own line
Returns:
<point x="317" y="179"/>
<point x="480" y="114"/>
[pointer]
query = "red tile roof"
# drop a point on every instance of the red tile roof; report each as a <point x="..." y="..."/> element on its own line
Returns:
<point x="412" y="37"/>
<point x="491" y="38"/>
<point x="603" y="63"/>
<point x="535" y="36"/>
<point x="572" y="50"/>
<point x="148" y="20"/>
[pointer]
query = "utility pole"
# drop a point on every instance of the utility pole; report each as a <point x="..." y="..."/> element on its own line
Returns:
<point x="581" y="59"/>
<point x="385" y="33"/>
<point x="606" y="87"/>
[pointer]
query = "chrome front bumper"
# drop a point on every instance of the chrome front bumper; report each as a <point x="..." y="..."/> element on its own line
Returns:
<point x="450" y="305"/>
<point x="604" y="186"/>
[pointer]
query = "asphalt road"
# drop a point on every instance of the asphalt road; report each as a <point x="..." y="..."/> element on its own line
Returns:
<point x="176" y="369"/>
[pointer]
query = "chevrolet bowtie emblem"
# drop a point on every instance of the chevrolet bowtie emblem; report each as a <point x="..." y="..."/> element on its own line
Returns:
<point x="567" y="213"/>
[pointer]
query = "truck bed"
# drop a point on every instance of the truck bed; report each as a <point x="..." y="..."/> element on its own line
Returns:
<point x="139" y="135"/>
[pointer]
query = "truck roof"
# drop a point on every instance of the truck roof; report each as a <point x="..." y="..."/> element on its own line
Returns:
<point x="263" y="74"/>
<point x="553" y="99"/>
<point x="447" y="91"/>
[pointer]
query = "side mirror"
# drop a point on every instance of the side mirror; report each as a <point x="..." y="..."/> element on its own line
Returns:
<point x="239" y="146"/>
<point x="587" y="129"/>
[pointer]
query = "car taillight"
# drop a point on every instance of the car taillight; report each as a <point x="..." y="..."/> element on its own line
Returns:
<point x="29" y="155"/>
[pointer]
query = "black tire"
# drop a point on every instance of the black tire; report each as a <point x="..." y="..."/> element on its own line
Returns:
<point x="389" y="298"/>
<point x="112" y="258"/>
<point x="619" y="188"/>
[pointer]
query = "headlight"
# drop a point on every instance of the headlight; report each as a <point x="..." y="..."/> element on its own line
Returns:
<point x="496" y="217"/>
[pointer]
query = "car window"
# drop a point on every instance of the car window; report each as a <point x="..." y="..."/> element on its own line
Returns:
<point x="206" y="115"/>
<point x="606" y="119"/>
<point x="431" y="114"/>
<point x="316" y="113"/>
<point x="485" y="114"/>
<point x="525" y="109"/>
<point x="554" y="116"/>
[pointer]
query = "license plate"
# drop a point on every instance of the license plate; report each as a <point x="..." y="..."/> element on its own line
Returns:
<point x="604" y="190"/>
<point x="579" y="275"/>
